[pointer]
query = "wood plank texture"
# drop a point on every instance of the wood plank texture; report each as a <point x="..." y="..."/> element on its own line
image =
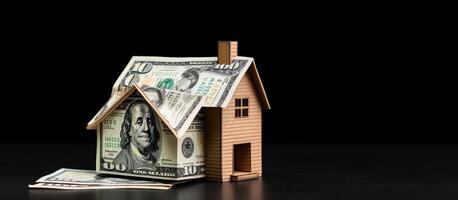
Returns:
<point x="213" y="143"/>
<point x="246" y="130"/>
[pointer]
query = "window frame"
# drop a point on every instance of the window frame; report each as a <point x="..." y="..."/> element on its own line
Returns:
<point x="241" y="107"/>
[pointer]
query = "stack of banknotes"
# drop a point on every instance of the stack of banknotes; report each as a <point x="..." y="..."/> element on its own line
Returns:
<point x="75" y="179"/>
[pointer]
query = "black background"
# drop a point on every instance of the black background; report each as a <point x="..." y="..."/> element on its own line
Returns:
<point x="334" y="73"/>
<point x="340" y="78"/>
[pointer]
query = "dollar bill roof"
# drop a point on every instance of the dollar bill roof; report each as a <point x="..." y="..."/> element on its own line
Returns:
<point x="188" y="84"/>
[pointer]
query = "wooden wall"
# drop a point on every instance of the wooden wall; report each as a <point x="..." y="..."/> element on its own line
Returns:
<point x="213" y="143"/>
<point x="242" y="130"/>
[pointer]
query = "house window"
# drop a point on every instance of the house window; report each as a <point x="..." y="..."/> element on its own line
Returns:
<point x="241" y="107"/>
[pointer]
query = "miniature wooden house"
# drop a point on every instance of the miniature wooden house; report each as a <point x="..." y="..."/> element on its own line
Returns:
<point x="233" y="134"/>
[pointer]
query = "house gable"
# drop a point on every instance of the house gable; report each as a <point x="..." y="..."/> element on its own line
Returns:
<point x="128" y="93"/>
<point x="239" y="130"/>
<point x="172" y="154"/>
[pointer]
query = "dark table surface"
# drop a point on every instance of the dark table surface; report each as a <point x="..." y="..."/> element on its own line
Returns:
<point x="291" y="171"/>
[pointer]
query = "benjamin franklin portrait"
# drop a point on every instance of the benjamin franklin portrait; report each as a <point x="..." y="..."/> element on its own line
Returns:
<point x="139" y="137"/>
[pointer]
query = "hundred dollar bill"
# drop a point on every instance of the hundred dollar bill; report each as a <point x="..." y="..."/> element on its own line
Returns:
<point x="178" y="108"/>
<point x="133" y="141"/>
<point x="201" y="76"/>
<point x="90" y="177"/>
<point x="65" y="186"/>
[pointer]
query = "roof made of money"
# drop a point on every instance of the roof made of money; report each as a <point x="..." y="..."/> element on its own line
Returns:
<point x="190" y="83"/>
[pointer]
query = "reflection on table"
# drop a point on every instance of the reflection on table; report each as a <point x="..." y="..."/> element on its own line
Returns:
<point x="252" y="189"/>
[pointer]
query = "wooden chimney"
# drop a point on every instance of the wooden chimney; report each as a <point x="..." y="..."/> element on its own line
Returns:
<point x="227" y="50"/>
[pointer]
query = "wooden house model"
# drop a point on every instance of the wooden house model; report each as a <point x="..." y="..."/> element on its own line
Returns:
<point x="232" y="143"/>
